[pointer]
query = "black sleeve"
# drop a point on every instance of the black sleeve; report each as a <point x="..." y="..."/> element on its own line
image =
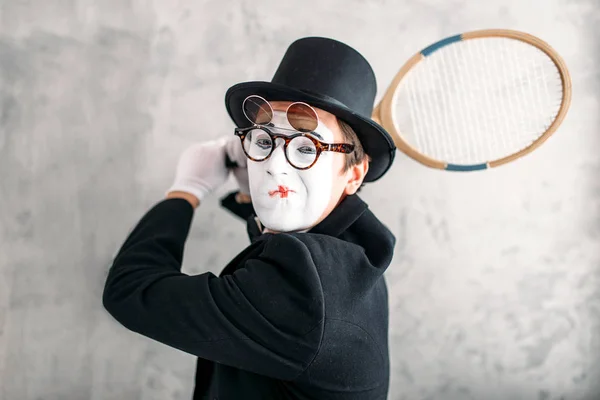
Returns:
<point x="241" y="210"/>
<point x="266" y="317"/>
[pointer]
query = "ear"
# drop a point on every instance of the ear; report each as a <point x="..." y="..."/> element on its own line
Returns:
<point x="356" y="175"/>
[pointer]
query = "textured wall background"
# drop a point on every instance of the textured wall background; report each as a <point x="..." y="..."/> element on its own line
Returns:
<point x="495" y="286"/>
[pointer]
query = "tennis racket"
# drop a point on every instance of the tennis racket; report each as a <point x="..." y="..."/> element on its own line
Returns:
<point x="477" y="100"/>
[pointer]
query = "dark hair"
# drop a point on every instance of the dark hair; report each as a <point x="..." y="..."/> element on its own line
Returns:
<point x="358" y="155"/>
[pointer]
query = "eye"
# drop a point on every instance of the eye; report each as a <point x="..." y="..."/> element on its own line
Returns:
<point x="264" y="143"/>
<point x="307" y="150"/>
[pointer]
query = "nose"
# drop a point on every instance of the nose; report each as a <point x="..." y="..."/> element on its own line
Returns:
<point x="277" y="163"/>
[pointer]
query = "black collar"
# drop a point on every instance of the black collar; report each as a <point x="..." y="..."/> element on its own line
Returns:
<point x="337" y="222"/>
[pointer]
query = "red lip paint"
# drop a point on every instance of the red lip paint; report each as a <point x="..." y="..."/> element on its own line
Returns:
<point x="282" y="191"/>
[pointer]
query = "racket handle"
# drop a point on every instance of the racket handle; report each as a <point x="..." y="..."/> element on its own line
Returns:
<point x="229" y="163"/>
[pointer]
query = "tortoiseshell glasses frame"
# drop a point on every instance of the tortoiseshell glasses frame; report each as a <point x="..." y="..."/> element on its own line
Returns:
<point x="320" y="146"/>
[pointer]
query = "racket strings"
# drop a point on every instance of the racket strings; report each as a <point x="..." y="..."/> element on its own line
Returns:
<point x="478" y="100"/>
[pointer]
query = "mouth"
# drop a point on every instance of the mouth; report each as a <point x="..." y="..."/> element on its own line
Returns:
<point x="282" y="191"/>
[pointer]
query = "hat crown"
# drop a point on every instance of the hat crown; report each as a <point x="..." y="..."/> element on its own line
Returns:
<point x="328" y="68"/>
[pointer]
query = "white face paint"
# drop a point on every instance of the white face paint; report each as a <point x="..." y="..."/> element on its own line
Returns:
<point x="308" y="191"/>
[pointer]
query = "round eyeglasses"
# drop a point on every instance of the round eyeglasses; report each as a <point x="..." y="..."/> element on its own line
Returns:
<point x="301" y="116"/>
<point x="302" y="149"/>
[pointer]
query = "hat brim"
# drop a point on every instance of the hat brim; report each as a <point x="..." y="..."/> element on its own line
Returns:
<point x="376" y="142"/>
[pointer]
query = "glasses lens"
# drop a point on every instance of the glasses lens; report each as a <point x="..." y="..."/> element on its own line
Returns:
<point x="257" y="144"/>
<point x="301" y="152"/>
<point x="257" y="110"/>
<point x="302" y="117"/>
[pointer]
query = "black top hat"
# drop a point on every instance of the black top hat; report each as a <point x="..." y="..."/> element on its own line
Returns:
<point x="334" y="77"/>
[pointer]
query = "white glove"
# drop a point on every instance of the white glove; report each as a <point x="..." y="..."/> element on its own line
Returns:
<point x="201" y="169"/>
<point x="237" y="155"/>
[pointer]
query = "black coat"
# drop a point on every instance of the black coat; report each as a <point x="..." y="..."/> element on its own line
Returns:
<point x="293" y="316"/>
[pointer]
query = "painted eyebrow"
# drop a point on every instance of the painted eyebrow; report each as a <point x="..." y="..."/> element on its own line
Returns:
<point x="317" y="135"/>
<point x="272" y="125"/>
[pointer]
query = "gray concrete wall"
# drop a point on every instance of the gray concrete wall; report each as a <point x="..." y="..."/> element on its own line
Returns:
<point x="495" y="285"/>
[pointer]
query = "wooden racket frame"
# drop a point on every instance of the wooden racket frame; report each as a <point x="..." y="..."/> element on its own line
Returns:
<point x="382" y="114"/>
